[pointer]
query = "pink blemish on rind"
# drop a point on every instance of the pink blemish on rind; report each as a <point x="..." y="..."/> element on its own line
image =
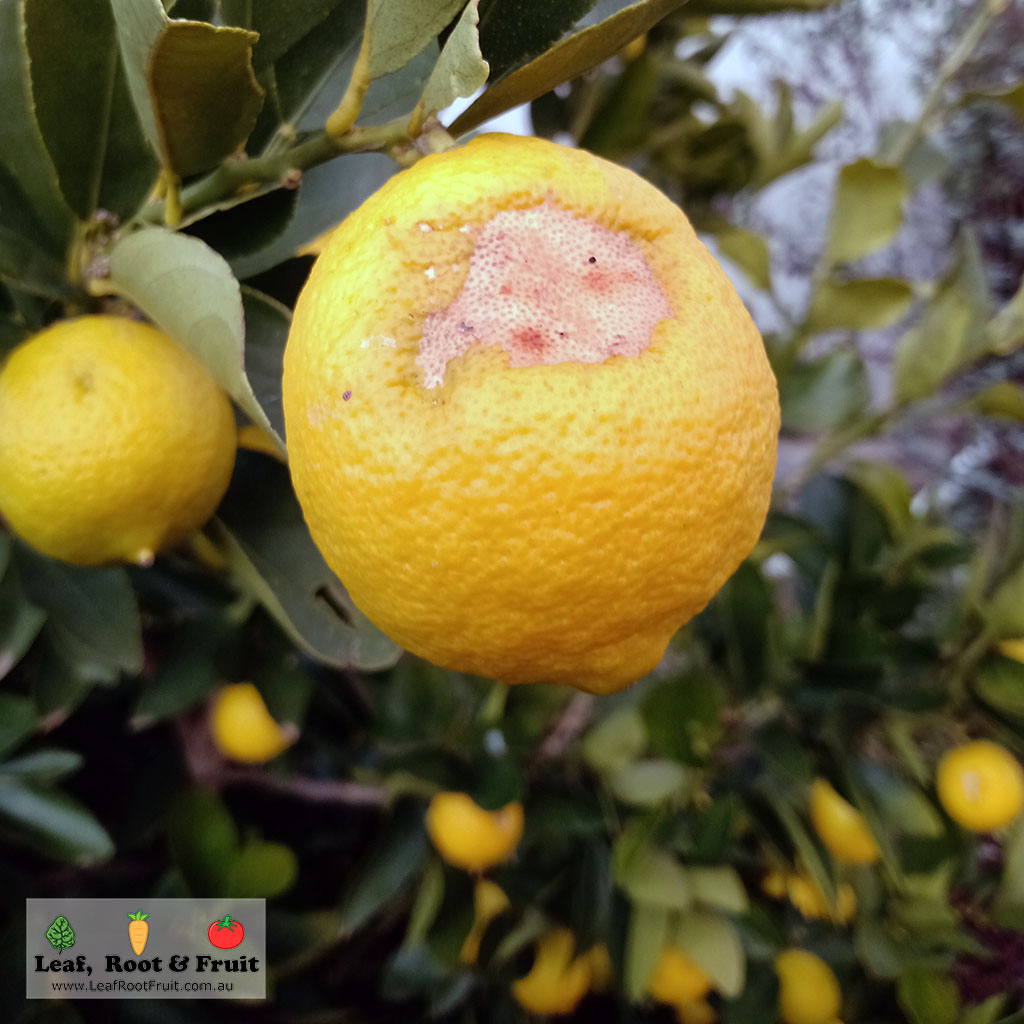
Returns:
<point x="548" y="287"/>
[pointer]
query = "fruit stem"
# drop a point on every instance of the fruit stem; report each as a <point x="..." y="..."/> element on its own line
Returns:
<point x="344" y="117"/>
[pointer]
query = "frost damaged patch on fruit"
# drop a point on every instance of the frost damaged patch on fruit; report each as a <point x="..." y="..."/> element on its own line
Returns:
<point x="548" y="287"/>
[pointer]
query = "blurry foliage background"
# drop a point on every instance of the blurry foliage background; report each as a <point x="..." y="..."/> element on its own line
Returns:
<point x="866" y="192"/>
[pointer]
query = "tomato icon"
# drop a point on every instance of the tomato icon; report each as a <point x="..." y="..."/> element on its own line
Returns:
<point x="226" y="934"/>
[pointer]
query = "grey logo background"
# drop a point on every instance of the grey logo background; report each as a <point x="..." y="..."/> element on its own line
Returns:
<point x="98" y="929"/>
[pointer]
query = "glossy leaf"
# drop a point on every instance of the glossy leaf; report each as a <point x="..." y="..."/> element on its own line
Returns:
<point x="52" y="824"/>
<point x="192" y="84"/>
<point x="865" y="304"/>
<point x="188" y="290"/>
<point x="400" y="29"/>
<point x="43" y="766"/>
<point x="461" y="69"/>
<point x="867" y="210"/>
<point x="22" y="152"/>
<point x="268" y="546"/>
<point x="566" y="60"/>
<point x="79" y="93"/>
<point x="96" y="607"/>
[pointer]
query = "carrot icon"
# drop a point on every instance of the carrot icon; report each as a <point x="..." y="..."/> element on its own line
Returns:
<point x="138" y="931"/>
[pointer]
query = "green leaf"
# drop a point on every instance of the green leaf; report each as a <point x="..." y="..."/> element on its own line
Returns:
<point x="192" y="84"/>
<point x="927" y="997"/>
<point x="862" y="305"/>
<point x="655" y="877"/>
<point x="1005" y="611"/>
<point x="1011" y="96"/>
<point x="22" y="152"/>
<point x="388" y="870"/>
<point x="650" y="783"/>
<point x="713" y="944"/>
<point x="684" y="717"/>
<point x="188" y="291"/>
<point x="719" y="888"/>
<point x="615" y="741"/>
<point x="566" y="60"/>
<point x="461" y="69"/>
<point x="824" y="393"/>
<point x="1011" y="887"/>
<point x="401" y="29"/>
<point x="747" y="250"/>
<point x="513" y="32"/>
<point x="268" y="546"/>
<point x="60" y="934"/>
<point x="43" y="766"/>
<point x="27" y="250"/>
<point x="867" y="211"/>
<point x="17" y="721"/>
<point x="645" y="939"/>
<point x="20" y="622"/>
<point x="204" y="841"/>
<point x="280" y="24"/>
<point x="425" y="908"/>
<point x="79" y="93"/>
<point x="1001" y="400"/>
<point x="1005" y="333"/>
<point x="96" y="607"/>
<point x="52" y="824"/>
<point x="261" y="870"/>
<point x="999" y="682"/>
<point x="267" y="323"/>
<point x="950" y="334"/>
<point x="887" y="487"/>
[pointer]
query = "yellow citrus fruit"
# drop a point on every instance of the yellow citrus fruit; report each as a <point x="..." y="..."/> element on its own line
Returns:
<point x="804" y="893"/>
<point x="808" y="990"/>
<point x="114" y="441"/>
<point x="1013" y="648"/>
<point x="489" y="900"/>
<point x="677" y="979"/>
<point x="699" y="1011"/>
<point x="243" y="728"/>
<point x="558" y="980"/>
<point x="981" y="785"/>
<point x="601" y="972"/>
<point x="467" y="836"/>
<point x="841" y="826"/>
<point x="530" y="423"/>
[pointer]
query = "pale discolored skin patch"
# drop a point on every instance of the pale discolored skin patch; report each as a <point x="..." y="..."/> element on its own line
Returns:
<point x="547" y="287"/>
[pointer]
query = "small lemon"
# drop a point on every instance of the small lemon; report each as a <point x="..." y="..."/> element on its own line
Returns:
<point x="677" y="979"/>
<point x="804" y="893"/>
<point x="243" y="728"/>
<point x="469" y="837"/>
<point x="981" y="785"/>
<point x="841" y="826"/>
<point x="115" y="442"/>
<point x="557" y="981"/>
<point x="808" y="990"/>
<point x="489" y="900"/>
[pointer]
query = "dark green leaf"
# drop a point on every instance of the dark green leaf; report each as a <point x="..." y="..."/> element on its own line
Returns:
<point x="43" y="766"/>
<point x="683" y="717"/>
<point x="17" y="721"/>
<point x="267" y="323"/>
<point x="60" y="934"/>
<point x="566" y="60"/>
<point x="268" y="546"/>
<point x="999" y="682"/>
<point x="189" y="292"/>
<point x="79" y="94"/>
<point x="279" y="23"/>
<point x="96" y="607"/>
<point x="52" y="824"/>
<point x="425" y="908"/>
<point x="22" y="152"/>
<point x="388" y="870"/>
<point x="204" y="841"/>
<point x="20" y="622"/>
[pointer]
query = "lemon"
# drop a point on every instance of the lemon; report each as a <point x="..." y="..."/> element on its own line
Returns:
<point x="841" y="826"/>
<point x="981" y="785"/>
<point x="557" y="981"/>
<point x="489" y="900"/>
<point x="803" y="892"/>
<point x="808" y="990"/>
<point x="469" y="837"/>
<point x="677" y="979"/>
<point x="243" y="728"/>
<point x="114" y="441"/>
<point x="530" y="424"/>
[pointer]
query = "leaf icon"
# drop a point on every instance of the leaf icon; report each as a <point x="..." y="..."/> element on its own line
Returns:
<point x="60" y="934"/>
